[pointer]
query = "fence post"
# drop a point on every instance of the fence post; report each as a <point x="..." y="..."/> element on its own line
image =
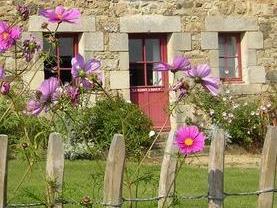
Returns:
<point x="268" y="168"/>
<point x="216" y="170"/>
<point x="55" y="170"/>
<point x="3" y="169"/>
<point x="114" y="173"/>
<point x="168" y="170"/>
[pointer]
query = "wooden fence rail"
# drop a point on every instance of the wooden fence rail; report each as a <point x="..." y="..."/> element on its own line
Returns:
<point x="113" y="181"/>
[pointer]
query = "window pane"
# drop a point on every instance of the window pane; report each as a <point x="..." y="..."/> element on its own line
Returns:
<point x="51" y="62"/>
<point x="137" y="75"/>
<point x="135" y="50"/>
<point x="152" y="49"/>
<point x="229" y="68"/>
<point x="65" y="76"/>
<point x="231" y="46"/>
<point x="66" y="49"/>
<point x="154" y="78"/>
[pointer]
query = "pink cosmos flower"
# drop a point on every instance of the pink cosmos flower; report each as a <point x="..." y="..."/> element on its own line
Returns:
<point x="202" y="75"/>
<point x="190" y="140"/>
<point x="87" y="72"/>
<point x="46" y="95"/>
<point x="60" y="14"/>
<point x="8" y="35"/>
<point x="180" y="63"/>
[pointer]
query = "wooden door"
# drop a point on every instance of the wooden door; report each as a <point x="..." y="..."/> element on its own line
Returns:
<point x="149" y="89"/>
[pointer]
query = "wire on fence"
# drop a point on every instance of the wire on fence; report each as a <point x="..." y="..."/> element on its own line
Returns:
<point x="157" y="198"/>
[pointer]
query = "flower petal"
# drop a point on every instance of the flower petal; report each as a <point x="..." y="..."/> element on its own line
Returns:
<point x="161" y="67"/>
<point x="92" y="65"/>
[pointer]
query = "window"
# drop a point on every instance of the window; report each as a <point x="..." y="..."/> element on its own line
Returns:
<point x="144" y="52"/>
<point x="230" y="57"/>
<point x="59" y="62"/>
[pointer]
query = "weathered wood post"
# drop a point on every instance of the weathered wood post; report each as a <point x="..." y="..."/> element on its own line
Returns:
<point x="216" y="170"/>
<point x="3" y="169"/>
<point x="113" y="180"/>
<point x="268" y="168"/>
<point x="55" y="170"/>
<point x="168" y="170"/>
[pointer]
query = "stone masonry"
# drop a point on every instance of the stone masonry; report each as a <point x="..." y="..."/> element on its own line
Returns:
<point x="192" y="27"/>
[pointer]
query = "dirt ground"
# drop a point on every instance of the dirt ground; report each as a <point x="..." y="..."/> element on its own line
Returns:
<point x="234" y="157"/>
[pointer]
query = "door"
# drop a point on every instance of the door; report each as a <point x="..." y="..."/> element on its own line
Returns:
<point x="149" y="89"/>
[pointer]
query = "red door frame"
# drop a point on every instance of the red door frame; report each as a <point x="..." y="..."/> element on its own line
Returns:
<point x="148" y="88"/>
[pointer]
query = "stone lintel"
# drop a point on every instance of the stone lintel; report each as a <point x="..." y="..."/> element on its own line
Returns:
<point x="85" y="24"/>
<point x="230" y="24"/>
<point x="150" y="23"/>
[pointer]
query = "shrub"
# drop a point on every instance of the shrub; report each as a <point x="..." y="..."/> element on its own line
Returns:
<point x="23" y="129"/>
<point x="95" y="127"/>
<point x="241" y="118"/>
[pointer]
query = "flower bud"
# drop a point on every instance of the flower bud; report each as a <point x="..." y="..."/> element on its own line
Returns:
<point x="23" y="11"/>
<point x="5" y="88"/>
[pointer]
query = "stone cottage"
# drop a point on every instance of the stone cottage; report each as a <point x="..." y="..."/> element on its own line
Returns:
<point x="237" y="38"/>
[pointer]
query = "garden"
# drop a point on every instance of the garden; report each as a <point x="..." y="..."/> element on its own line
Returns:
<point x="58" y="148"/>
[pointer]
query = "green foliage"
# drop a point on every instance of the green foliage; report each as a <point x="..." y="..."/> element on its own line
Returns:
<point x="95" y="126"/>
<point x="22" y="129"/>
<point x="241" y="117"/>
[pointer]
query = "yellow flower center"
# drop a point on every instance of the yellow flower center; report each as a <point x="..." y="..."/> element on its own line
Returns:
<point x="188" y="141"/>
<point x="5" y="35"/>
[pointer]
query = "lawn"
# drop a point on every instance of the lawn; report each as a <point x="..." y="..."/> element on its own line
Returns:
<point x="84" y="178"/>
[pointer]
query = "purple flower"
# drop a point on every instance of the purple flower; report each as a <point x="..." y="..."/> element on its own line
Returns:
<point x="88" y="72"/>
<point x="46" y="95"/>
<point x="23" y="12"/>
<point x="202" y="75"/>
<point x="60" y="14"/>
<point x="190" y="140"/>
<point x="30" y="47"/>
<point x="8" y="35"/>
<point x="34" y="107"/>
<point x="180" y="63"/>
<point x="73" y="93"/>
<point x="5" y="88"/>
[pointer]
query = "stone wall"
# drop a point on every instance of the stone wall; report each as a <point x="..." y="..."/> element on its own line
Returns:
<point x="107" y="15"/>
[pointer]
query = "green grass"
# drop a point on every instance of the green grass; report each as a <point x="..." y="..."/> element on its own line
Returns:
<point x="84" y="178"/>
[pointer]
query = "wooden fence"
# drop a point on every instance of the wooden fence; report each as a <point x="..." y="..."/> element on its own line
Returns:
<point x="113" y="180"/>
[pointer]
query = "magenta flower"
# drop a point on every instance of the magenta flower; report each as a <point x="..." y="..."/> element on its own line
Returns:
<point x="47" y="94"/>
<point x="88" y="72"/>
<point x="190" y="140"/>
<point x="180" y="63"/>
<point x="60" y="14"/>
<point x="202" y="75"/>
<point x="73" y="93"/>
<point x="5" y="88"/>
<point x="8" y="35"/>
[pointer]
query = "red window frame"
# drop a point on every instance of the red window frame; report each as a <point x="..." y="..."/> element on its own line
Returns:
<point x="163" y="56"/>
<point x="75" y="37"/>
<point x="226" y="56"/>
